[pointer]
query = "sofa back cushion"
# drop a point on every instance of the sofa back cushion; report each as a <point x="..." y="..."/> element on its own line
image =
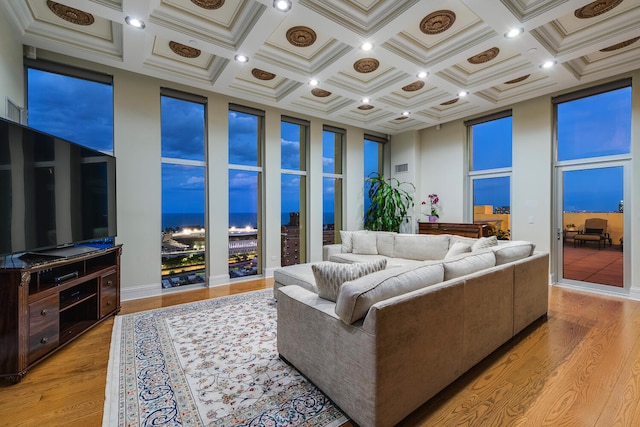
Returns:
<point x="331" y="275"/>
<point x="420" y="246"/>
<point x="512" y="251"/>
<point x="468" y="263"/>
<point x="356" y="297"/>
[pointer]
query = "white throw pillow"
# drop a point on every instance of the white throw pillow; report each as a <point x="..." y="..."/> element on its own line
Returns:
<point x="346" y="239"/>
<point x="457" y="248"/>
<point x="364" y="244"/>
<point x="484" y="243"/>
<point x="331" y="275"/>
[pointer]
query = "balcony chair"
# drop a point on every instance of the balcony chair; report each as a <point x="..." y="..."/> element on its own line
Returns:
<point x="595" y="230"/>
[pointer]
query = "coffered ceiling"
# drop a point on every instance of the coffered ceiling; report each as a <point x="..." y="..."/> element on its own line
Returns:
<point x="461" y="44"/>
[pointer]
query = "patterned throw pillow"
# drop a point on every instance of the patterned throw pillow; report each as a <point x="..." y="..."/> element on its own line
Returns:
<point x="331" y="275"/>
<point x="484" y="243"/>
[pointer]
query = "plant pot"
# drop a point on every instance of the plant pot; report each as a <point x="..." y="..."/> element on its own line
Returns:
<point x="433" y="218"/>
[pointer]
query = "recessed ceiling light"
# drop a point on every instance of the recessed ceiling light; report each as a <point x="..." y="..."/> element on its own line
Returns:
<point x="405" y="113"/>
<point x="548" y="64"/>
<point x="314" y="82"/>
<point x="422" y="75"/>
<point x="241" y="58"/>
<point x="463" y="93"/>
<point x="366" y="46"/>
<point x="365" y="100"/>
<point x="514" y="32"/>
<point x="282" y="5"/>
<point x="134" y="22"/>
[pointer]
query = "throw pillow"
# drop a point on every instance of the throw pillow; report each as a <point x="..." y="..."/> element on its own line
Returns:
<point x="346" y="239"/>
<point x="364" y="244"/>
<point x="457" y="248"/>
<point x="484" y="243"/>
<point x="331" y="275"/>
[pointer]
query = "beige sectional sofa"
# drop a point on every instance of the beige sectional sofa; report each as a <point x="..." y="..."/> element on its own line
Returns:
<point x="394" y="338"/>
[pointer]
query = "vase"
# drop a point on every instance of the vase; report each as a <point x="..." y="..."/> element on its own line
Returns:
<point x="433" y="218"/>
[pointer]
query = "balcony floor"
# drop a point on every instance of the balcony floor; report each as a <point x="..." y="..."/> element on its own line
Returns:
<point x="590" y="264"/>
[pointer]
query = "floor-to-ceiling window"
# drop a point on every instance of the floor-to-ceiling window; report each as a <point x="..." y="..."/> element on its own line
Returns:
<point x="593" y="151"/>
<point x="182" y="124"/>
<point x="373" y="150"/>
<point x="182" y="121"/>
<point x="490" y="149"/>
<point x="293" y="190"/>
<point x="246" y="137"/>
<point x="332" y="147"/>
<point x="71" y="103"/>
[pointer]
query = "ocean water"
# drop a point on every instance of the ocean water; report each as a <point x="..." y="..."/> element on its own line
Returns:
<point x="239" y="220"/>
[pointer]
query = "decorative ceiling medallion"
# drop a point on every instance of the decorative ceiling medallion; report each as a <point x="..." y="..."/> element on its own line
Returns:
<point x="184" y="50"/>
<point x="417" y="85"/>
<point x="620" y="45"/>
<point x="437" y="22"/>
<point x="262" y="75"/>
<point x="596" y="8"/>
<point x="365" y="107"/>
<point x="69" y="14"/>
<point x="451" y="101"/>
<point x="208" y="4"/>
<point x="320" y="93"/>
<point x="485" y="56"/>
<point x="518" y="80"/>
<point x="301" y="36"/>
<point x="366" y="65"/>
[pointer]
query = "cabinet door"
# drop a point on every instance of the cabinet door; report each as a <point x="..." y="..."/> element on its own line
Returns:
<point x="44" y="327"/>
<point x="108" y="294"/>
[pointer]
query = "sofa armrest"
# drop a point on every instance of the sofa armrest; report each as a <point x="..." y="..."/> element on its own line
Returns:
<point x="328" y="250"/>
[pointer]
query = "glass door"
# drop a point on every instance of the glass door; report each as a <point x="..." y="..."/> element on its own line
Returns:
<point x="590" y="225"/>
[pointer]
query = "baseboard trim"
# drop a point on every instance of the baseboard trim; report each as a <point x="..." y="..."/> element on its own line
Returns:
<point x="221" y="279"/>
<point x="268" y="272"/>
<point x="143" y="291"/>
<point x="634" y="294"/>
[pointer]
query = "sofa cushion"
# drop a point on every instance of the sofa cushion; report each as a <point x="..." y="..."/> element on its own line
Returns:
<point x="421" y="246"/>
<point x="457" y="248"/>
<point x="297" y="274"/>
<point x="353" y="258"/>
<point x="364" y="243"/>
<point x="357" y="296"/>
<point x="331" y="275"/>
<point x="468" y="263"/>
<point x="512" y="251"/>
<point x="454" y="239"/>
<point x="484" y="243"/>
<point x="346" y="239"/>
<point x="385" y="241"/>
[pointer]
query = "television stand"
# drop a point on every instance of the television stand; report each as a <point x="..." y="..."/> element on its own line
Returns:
<point x="49" y="302"/>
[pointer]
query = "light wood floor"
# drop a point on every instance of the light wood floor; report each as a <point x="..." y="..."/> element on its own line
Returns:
<point x="579" y="367"/>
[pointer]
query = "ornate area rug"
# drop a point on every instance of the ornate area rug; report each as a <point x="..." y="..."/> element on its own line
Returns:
<point x="208" y="363"/>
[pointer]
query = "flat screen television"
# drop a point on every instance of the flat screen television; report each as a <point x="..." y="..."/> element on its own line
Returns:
<point x="54" y="194"/>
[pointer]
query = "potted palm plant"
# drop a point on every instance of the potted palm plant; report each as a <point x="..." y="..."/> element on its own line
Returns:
<point x="390" y="203"/>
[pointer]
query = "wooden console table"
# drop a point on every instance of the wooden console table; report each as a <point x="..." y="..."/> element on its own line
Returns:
<point x="460" y="229"/>
<point x="48" y="303"/>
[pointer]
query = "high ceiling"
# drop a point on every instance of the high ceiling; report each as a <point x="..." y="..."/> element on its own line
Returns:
<point x="461" y="44"/>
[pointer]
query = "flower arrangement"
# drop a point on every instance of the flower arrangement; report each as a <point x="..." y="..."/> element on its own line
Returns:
<point x="433" y="205"/>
